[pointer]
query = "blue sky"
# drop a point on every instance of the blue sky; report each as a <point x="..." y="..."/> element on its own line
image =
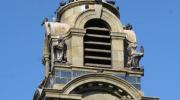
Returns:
<point x="156" y="23"/>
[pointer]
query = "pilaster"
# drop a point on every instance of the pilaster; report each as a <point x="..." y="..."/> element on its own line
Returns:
<point x="77" y="46"/>
<point x="117" y="49"/>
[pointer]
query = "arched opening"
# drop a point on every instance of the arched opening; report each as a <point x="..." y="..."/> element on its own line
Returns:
<point x="111" y="85"/>
<point x="97" y="23"/>
<point x="97" y="44"/>
<point x="101" y="91"/>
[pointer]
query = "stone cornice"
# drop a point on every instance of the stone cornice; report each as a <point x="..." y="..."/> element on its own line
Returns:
<point x="77" y="31"/>
<point x="118" y="35"/>
<point x="60" y="11"/>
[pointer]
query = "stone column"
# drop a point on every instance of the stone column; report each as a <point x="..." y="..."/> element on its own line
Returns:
<point x="46" y="57"/>
<point x="46" y="60"/>
<point x="53" y="42"/>
<point x="117" y="49"/>
<point x="77" y="46"/>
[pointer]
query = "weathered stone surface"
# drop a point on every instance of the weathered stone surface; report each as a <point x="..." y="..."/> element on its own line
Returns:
<point x="56" y="28"/>
<point x="117" y="45"/>
<point x="77" y="41"/>
<point x="99" y="96"/>
<point x="95" y="67"/>
<point x="117" y="59"/>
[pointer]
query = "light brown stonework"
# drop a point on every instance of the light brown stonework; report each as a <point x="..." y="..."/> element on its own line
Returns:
<point x="94" y="66"/>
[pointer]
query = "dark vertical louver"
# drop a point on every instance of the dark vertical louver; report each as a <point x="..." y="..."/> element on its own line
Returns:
<point x="97" y="47"/>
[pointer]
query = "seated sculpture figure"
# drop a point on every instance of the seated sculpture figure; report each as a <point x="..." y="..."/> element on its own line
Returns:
<point x="134" y="56"/>
<point x="60" y="51"/>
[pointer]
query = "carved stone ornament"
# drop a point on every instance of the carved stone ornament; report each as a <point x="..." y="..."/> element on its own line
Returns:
<point x="134" y="56"/>
<point x="62" y="3"/>
<point x="60" y="51"/>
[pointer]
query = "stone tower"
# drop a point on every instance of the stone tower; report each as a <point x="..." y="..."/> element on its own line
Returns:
<point x="90" y="55"/>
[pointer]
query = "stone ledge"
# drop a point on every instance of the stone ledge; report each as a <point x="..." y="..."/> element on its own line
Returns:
<point x="52" y="93"/>
<point x="150" y="98"/>
<point x="105" y="70"/>
<point x="60" y="11"/>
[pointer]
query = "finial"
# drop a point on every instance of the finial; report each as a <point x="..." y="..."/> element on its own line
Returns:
<point x="44" y="20"/>
<point x="128" y="27"/>
<point x="62" y="3"/>
<point x="53" y="19"/>
<point x="142" y="49"/>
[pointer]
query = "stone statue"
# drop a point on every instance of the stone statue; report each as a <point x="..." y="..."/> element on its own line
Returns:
<point x="130" y="34"/>
<point x="134" y="56"/>
<point x="60" y="51"/>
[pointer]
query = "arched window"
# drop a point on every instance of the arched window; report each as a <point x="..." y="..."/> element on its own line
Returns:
<point x="97" y="44"/>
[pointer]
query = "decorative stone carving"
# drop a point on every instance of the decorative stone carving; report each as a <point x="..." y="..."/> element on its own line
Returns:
<point x="44" y="20"/>
<point x="60" y="51"/>
<point x="62" y="3"/>
<point x="56" y="28"/>
<point x="130" y="34"/>
<point x="134" y="56"/>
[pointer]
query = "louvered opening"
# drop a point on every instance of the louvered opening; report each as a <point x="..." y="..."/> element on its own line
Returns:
<point x="97" y="47"/>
